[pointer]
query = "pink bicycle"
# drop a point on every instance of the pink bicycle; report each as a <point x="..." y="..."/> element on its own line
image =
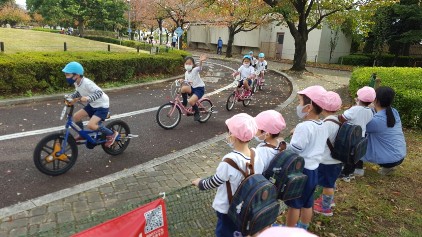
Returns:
<point x="259" y="81"/>
<point x="239" y="94"/>
<point x="169" y="114"/>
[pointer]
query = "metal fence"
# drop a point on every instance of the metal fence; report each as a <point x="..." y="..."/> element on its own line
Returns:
<point x="189" y="213"/>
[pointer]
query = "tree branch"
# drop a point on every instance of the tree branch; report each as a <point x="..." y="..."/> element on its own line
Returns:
<point x="325" y="15"/>
<point x="309" y="8"/>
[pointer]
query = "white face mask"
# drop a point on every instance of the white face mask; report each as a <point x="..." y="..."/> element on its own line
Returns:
<point x="258" y="138"/>
<point x="229" y="143"/>
<point x="246" y="65"/>
<point x="188" y="67"/>
<point x="299" y="112"/>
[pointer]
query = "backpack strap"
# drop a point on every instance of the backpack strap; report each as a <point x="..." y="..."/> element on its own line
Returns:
<point x="279" y="147"/>
<point x="233" y="164"/>
<point x="329" y="144"/>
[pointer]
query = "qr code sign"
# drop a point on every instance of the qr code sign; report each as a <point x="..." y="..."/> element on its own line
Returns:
<point x="154" y="219"/>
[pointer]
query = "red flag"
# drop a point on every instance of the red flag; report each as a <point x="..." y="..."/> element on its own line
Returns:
<point x="149" y="220"/>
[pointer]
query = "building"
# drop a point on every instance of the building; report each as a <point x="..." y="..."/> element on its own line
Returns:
<point x="275" y="41"/>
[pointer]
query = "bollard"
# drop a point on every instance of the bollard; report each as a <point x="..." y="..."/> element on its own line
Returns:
<point x="109" y="48"/>
<point x="137" y="48"/>
<point x="65" y="46"/>
<point x="2" y="47"/>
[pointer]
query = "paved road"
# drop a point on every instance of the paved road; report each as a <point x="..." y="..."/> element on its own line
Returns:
<point x="20" y="180"/>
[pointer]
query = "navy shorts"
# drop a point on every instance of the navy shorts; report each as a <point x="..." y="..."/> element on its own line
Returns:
<point x="307" y="198"/>
<point x="99" y="112"/>
<point x="198" y="91"/>
<point x="225" y="226"/>
<point x="328" y="174"/>
<point x="241" y="82"/>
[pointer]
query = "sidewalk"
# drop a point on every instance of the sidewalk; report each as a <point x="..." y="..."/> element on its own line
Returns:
<point x="133" y="185"/>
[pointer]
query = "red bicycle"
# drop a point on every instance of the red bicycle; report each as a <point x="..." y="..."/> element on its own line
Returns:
<point x="259" y="81"/>
<point x="239" y="94"/>
<point x="169" y="115"/>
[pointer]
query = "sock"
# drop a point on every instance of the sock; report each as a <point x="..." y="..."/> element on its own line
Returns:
<point x="326" y="201"/>
<point x="105" y="130"/>
<point x="302" y="225"/>
<point x="185" y="99"/>
<point x="80" y="124"/>
<point x="196" y="109"/>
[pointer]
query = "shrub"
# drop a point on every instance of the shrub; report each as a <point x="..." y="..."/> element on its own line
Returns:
<point x="386" y="60"/>
<point x="46" y="30"/>
<point x="42" y="71"/>
<point x="102" y="33"/>
<point x="407" y="83"/>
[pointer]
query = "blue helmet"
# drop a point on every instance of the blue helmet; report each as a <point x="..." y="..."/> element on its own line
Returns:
<point x="74" y="68"/>
<point x="247" y="56"/>
<point x="250" y="52"/>
<point x="261" y="55"/>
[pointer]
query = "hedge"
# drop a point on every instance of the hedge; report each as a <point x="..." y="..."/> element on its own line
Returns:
<point x="46" y="30"/>
<point x="39" y="72"/>
<point x="128" y="43"/>
<point x="407" y="83"/>
<point x="383" y="61"/>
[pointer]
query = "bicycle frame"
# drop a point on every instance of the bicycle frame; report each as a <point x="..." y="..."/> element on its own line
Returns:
<point x="185" y="111"/>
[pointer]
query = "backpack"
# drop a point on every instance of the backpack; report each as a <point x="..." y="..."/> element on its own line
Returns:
<point x="285" y="171"/>
<point x="349" y="146"/>
<point x="254" y="205"/>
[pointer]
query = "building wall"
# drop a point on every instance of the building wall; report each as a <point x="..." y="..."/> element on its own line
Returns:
<point x="343" y="46"/>
<point x="264" y="39"/>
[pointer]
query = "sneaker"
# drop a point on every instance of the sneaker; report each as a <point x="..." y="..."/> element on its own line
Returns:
<point x="111" y="139"/>
<point x="386" y="171"/>
<point x="320" y="210"/>
<point x="359" y="172"/>
<point x="318" y="202"/>
<point x="347" y="178"/>
<point x="196" y="117"/>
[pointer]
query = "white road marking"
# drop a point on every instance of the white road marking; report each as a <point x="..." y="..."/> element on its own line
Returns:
<point x="116" y="116"/>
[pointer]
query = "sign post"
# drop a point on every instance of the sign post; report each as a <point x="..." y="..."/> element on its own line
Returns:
<point x="179" y="32"/>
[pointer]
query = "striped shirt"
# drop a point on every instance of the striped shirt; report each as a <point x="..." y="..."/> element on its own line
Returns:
<point x="96" y="97"/>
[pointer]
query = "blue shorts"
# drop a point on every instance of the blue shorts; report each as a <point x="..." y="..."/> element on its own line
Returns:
<point x="328" y="174"/>
<point x="198" y="91"/>
<point x="225" y="226"/>
<point x="241" y="83"/>
<point x="99" y="112"/>
<point x="307" y="198"/>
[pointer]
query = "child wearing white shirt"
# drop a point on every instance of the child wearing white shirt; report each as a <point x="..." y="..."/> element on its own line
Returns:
<point x="246" y="72"/>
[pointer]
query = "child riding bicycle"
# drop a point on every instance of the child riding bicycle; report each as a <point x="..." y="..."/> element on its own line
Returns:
<point x="247" y="74"/>
<point x="194" y="86"/>
<point x="98" y="102"/>
<point x="262" y="65"/>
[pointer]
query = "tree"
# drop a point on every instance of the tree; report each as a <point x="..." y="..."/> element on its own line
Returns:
<point x="237" y="16"/>
<point x="12" y="14"/>
<point x="303" y="16"/>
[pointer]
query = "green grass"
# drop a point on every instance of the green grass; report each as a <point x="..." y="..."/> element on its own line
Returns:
<point x="376" y="205"/>
<point x="18" y="40"/>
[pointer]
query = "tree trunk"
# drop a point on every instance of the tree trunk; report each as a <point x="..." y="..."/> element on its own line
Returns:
<point x="81" y="27"/>
<point x="230" y="43"/>
<point x="299" y="60"/>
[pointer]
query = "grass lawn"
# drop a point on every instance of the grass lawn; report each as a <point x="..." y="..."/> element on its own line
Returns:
<point x="376" y="205"/>
<point x="18" y="40"/>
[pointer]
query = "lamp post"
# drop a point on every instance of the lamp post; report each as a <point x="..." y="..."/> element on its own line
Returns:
<point x="129" y="29"/>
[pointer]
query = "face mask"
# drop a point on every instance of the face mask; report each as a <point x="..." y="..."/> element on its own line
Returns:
<point x="299" y="112"/>
<point x="188" y="67"/>
<point x="246" y="65"/>
<point x="229" y="143"/>
<point x="70" y="81"/>
<point x="258" y="139"/>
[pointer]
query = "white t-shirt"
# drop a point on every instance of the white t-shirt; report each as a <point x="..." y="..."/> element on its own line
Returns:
<point x="308" y="141"/>
<point x="245" y="72"/>
<point x="265" y="155"/>
<point x="227" y="173"/>
<point x="88" y="88"/>
<point x="332" y="129"/>
<point x="194" y="77"/>
<point x="261" y="65"/>
<point x="359" y="115"/>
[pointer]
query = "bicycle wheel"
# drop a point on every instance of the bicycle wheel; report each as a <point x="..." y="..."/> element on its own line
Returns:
<point x="260" y="87"/>
<point x="46" y="160"/>
<point x="246" y="102"/>
<point x="121" y="143"/>
<point x="205" y="110"/>
<point x="254" y="86"/>
<point x="231" y="101"/>
<point x="167" y="120"/>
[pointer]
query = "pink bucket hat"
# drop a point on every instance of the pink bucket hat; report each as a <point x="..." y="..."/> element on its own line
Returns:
<point x="270" y="121"/>
<point x="332" y="101"/>
<point x="366" y="94"/>
<point x="315" y="93"/>
<point x="242" y="126"/>
<point x="285" y="232"/>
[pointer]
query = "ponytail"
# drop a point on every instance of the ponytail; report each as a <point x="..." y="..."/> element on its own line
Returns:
<point x="391" y="120"/>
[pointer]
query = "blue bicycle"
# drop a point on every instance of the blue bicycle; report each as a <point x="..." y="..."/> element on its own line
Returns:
<point x="57" y="153"/>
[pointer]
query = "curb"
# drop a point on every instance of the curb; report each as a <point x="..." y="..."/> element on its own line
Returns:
<point x="39" y="201"/>
<point x="19" y="101"/>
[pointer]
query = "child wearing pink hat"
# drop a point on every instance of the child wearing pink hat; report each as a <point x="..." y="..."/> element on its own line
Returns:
<point x="361" y="115"/>
<point x="270" y="123"/>
<point x="285" y="232"/>
<point x="329" y="169"/>
<point x="242" y="128"/>
<point x="308" y="141"/>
